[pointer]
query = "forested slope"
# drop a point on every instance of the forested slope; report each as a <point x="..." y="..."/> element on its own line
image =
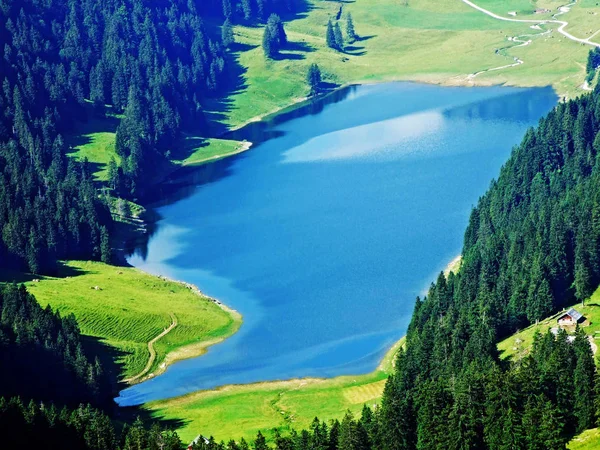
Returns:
<point x="155" y="62"/>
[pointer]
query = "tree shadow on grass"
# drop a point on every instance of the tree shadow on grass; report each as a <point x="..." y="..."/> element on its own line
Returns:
<point x="60" y="271"/>
<point x="281" y="56"/>
<point x="110" y="358"/>
<point x="354" y="50"/>
<point x="299" y="46"/>
<point x="365" y="38"/>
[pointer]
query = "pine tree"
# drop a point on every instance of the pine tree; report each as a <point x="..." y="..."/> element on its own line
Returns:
<point x="330" y="36"/>
<point x="313" y="79"/>
<point x="247" y="9"/>
<point x="277" y="31"/>
<point x="339" y="37"/>
<point x="227" y="33"/>
<point x="260" y="443"/>
<point x="113" y="174"/>
<point x="105" y="249"/>
<point x="268" y="46"/>
<point x="584" y="382"/>
<point x="350" y="31"/>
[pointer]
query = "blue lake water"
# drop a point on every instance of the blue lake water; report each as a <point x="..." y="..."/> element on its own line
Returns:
<point x="323" y="234"/>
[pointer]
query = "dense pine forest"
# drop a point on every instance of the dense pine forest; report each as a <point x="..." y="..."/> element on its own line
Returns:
<point x="65" y="62"/>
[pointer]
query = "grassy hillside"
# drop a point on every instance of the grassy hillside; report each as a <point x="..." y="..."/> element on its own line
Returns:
<point x="588" y="440"/>
<point x="130" y="308"/>
<point x="241" y="411"/>
<point x="519" y="344"/>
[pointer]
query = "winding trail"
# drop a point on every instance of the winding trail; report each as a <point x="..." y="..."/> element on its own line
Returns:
<point x="152" y="357"/>
<point x="561" y="29"/>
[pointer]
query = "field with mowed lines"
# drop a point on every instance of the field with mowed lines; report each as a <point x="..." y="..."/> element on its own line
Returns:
<point x="127" y="308"/>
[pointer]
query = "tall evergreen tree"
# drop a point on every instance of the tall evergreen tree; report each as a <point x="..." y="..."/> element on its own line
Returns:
<point x="227" y="33"/>
<point x="330" y="36"/>
<point x="313" y="79"/>
<point x="350" y="31"/>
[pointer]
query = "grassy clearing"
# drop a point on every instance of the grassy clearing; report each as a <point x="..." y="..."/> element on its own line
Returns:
<point x="95" y="140"/>
<point x="241" y="411"/>
<point x="130" y="308"/>
<point x="588" y="440"/>
<point x="519" y="344"/>
<point x="196" y="150"/>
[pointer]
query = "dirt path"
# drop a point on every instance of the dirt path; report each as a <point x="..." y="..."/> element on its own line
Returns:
<point x="152" y="351"/>
<point x="521" y="43"/>
<point x="561" y="29"/>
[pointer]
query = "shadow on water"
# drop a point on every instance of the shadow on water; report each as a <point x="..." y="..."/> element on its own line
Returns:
<point x="513" y="107"/>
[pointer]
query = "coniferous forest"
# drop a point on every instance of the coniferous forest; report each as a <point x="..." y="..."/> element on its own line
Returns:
<point x="532" y="245"/>
<point x="65" y="62"/>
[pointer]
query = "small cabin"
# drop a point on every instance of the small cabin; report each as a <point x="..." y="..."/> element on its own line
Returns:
<point x="541" y="11"/>
<point x="198" y="439"/>
<point x="571" y="317"/>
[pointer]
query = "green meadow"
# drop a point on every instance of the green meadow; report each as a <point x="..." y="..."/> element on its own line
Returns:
<point x="232" y="412"/>
<point x="125" y="308"/>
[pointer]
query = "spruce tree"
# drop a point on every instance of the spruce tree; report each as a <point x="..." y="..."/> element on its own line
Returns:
<point x="339" y="37"/>
<point x="268" y="43"/>
<point x="313" y="79"/>
<point x="584" y="376"/>
<point x="330" y="36"/>
<point x="350" y="31"/>
<point x="227" y="33"/>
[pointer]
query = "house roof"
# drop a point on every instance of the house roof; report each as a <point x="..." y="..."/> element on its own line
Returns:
<point x="573" y="313"/>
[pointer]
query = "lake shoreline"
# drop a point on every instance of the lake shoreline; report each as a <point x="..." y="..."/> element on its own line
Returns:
<point x="297" y="105"/>
<point x="195" y="349"/>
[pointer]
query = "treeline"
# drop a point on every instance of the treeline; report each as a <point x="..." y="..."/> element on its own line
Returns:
<point x="251" y="10"/>
<point x="42" y="425"/>
<point x="42" y="355"/>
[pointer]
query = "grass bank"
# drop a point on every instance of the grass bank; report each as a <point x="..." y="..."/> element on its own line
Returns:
<point x="236" y="411"/>
<point x="126" y="308"/>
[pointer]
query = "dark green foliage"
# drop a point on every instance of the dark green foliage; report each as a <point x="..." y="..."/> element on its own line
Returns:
<point x="41" y="425"/>
<point x="227" y="33"/>
<point x="350" y="31"/>
<point x="334" y="37"/>
<point x="593" y="63"/>
<point x="42" y="354"/>
<point x="313" y="78"/>
<point x="274" y="37"/>
<point x="339" y="38"/>
<point x="330" y="36"/>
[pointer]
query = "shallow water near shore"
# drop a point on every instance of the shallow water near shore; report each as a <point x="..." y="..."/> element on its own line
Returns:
<point x="324" y="233"/>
